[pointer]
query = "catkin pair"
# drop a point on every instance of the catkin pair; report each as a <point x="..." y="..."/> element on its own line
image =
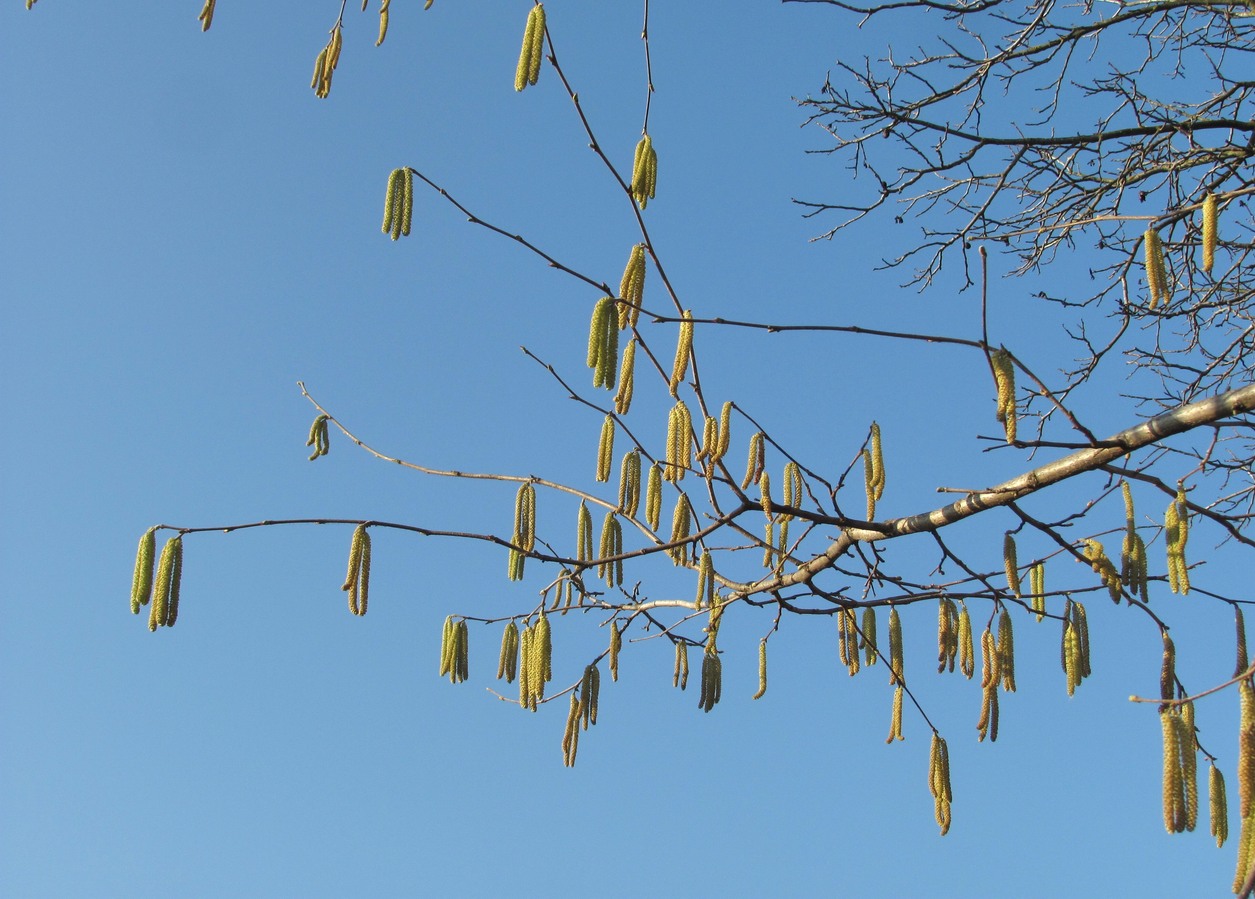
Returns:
<point x="947" y="634"/>
<point x="632" y="288"/>
<point x="605" y="449"/>
<point x="1074" y="649"/>
<point x="1004" y="380"/>
<point x="1177" y="531"/>
<point x="383" y="20"/>
<point x="757" y="460"/>
<point x="1096" y="555"/>
<point x="1156" y="270"/>
<point x="644" y="172"/>
<point x="705" y="582"/>
<point x="535" y="662"/>
<point x="571" y="734"/>
<point x="325" y="65"/>
<point x="939" y="781"/>
<point x="895" y="721"/>
<point x="867" y="639"/>
<point x="206" y="17"/>
<point x="630" y="483"/>
<point x="683" y="350"/>
<point x="681" y="522"/>
<point x="653" y="497"/>
<point x="318" y="437"/>
<point x="873" y="471"/>
<point x="524" y="539"/>
<point x="528" y="71"/>
<point x="603" y="344"/>
<point x="1180" y="768"/>
<point x="455" y="650"/>
<point x="847" y="640"/>
<point x="712" y="679"/>
<point x="627" y="379"/>
<point x="1133" y="562"/>
<point x="398" y="203"/>
<point x="679" y="442"/>
<point x="681" y="677"/>
<point x="357" y="581"/>
<point x="508" y="663"/>
<point x="584" y="534"/>
<point x="1037" y="587"/>
<point x="611" y="546"/>
<point x="991" y="674"/>
<point x="142" y="581"/>
<point x="163" y="610"/>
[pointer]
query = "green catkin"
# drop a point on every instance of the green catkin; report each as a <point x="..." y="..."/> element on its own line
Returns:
<point x="590" y="689"/>
<point x="1240" y="626"/>
<point x="605" y="450"/>
<point x="325" y="64"/>
<point x="1004" y="379"/>
<point x="653" y="497"/>
<point x="947" y="634"/>
<point x="544" y="645"/>
<point x="644" y="171"/>
<point x="571" y="735"/>
<point x="383" y="21"/>
<point x="868" y="639"/>
<point x="1006" y="651"/>
<point x="1177" y="531"/>
<point x="603" y="344"/>
<point x="166" y="583"/>
<point x="712" y="680"/>
<point x="616" y="644"/>
<point x="1246" y="748"/>
<point x="769" y="544"/>
<point x="508" y="664"/>
<point x="967" y="654"/>
<point x="525" y="667"/>
<point x="762" y="669"/>
<point x="1209" y="232"/>
<point x="868" y="473"/>
<point x="1037" y="586"/>
<point x="446" y="645"/>
<point x="757" y="459"/>
<point x="895" y="647"/>
<point x="524" y="538"/>
<point x="584" y="534"/>
<point x="462" y="667"/>
<point x="533" y="51"/>
<point x="1156" y="270"/>
<point x="683" y="349"/>
<point x="878" y="463"/>
<point x="627" y="379"/>
<point x="142" y="582"/>
<point x="630" y="483"/>
<point x="680" y="524"/>
<point x="895" y="722"/>
<point x="1218" y="805"/>
<point x="632" y="288"/>
<point x="1011" y="563"/>
<point x="679" y="442"/>
<point x="1168" y="669"/>
<point x="725" y="433"/>
<point x="318" y="437"/>
<point x="990" y="676"/>
<point x="764" y="489"/>
<point x="611" y="545"/>
<point x="681" y="677"/>
<point x="705" y="582"/>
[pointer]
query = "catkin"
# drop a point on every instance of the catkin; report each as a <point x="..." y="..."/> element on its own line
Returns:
<point x="1096" y="555"/>
<point x="1168" y="669"/>
<point x="683" y="349"/>
<point x="679" y="442"/>
<point x="895" y="721"/>
<point x="847" y="640"/>
<point x="1177" y="532"/>
<point x="1189" y="763"/>
<point x="868" y="638"/>
<point x="725" y="434"/>
<point x="616" y="644"/>
<point x="1209" y="232"/>
<point x="680" y="524"/>
<point x="967" y="654"/>
<point x="630" y="483"/>
<point x="1156" y="270"/>
<point x="590" y="692"/>
<point x="383" y="21"/>
<point x="1037" y="585"/>
<point x="757" y="459"/>
<point x="1240" y="626"/>
<point x="584" y="534"/>
<point x="525" y="667"/>
<point x="939" y="781"/>
<point x="877" y="480"/>
<point x="868" y="474"/>
<point x="644" y="171"/>
<point x="508" y="664"/>
<point x="571" y="735"/>
<point x="762" y="669"/>
<point x="1246" y="747"/>
<point x="318" y="437"/>
<point x="603" y="344"/>
<point x="325" y="65"/>
<point x="627" y="379"/>
<point x="142" y="582"/>
<point x="166" y="584"/>
<point x="1004" y="379"/>
<point x="1173" y="787"/>
<point x="895" y="647"/>
<point x="764" y="489"/>
<point x="1006" y="651"/>
<point x="524" y="538"/>
<point x="712" y="680"/>
<point x="1010" y="563"/>
<point x="533" y="51"/>
<point x="947" y="634"/>
<point x="1218" y="805"/>
<point x="990" y="675"/>
<point x="1133" y="563"/>
<point x="653" y="497"/>
<point x="206" y="17"/>
<point x="705" y="582"/>
<point x="632" y="288"/>
<point x="544" y="646"/>
<point x="611" y="546"/>
<point x="681" y="677"/>
<point x="605" y="449"/>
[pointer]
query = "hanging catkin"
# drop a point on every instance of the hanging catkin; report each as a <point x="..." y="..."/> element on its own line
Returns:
<point x="145" y="558"/>
<point x="528" y="71"/>
<point x="1209" y="232"/>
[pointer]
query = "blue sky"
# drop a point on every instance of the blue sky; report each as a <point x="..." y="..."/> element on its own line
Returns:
<point x="187" y="232"/>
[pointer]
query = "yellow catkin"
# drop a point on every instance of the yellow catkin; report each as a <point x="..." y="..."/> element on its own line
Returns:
<point x="611" y="546"/>
<point x="632" y="288"/>
<point x="644" y="171"/>
<point x="1168" y="669"/>
<point x="318" y="437"/>
<point x="1189" y="763"/>
<point x="544" y="646"/>
<point x="1240" y="626"/>
<point x="571" y="735"/>
<point x="383" y="21"/>
<point x="533" y="51"/>
<point x="895" y="722"/>
<point x="847" y="640"/>
<point x="605" y="449"/>
<point x="1096" y="555"/>
<point x="681" y="677"/>
<point x="939" y="781"/>
<point x="868" y="475"/>
<point x="603" y="344"/>
<point x="1218" y="805"/>
<point x="1071" y="653"/>
<point x="757" y="459"/>
<point x="967" y="655"/>
<point x="1173" y="793"/>
<point x="616" y="644"/>
<point x="705" y="582"/>
<point x="1245" y="853"/>
<point x="895" y="647"/>
<point x="508" y="664"/>
<point x="947" y="634"/>
<point x="166" y="583"/>
<point x="446" y="645"/>
<point x="398" y="207"/>
<point x="680" y="525"/>
<point x="990" y="675"/>
<point x="1156" y="270"/>
<point x="584" y="534"/>
<point x="206" y="17"/>
<point x="1177" y="531"/>
<point x="1246" y="747"/>
<point x="1004" y="379"/>
<point x="878" y="463"/>
<point x="142" y="582"/>
<point x="1010" y="563"/>
<point x="653" y="497"/>
<point x="627" y="379"/>
<point x="630" y="483"/>
<point x="525" y="667"/>
<point x="1006" y="651"/>
<point x="325" y="65"/>
<point x="683" y="349"/>
<point x="764" y="489"/>
<point x="712" y="680"/>
<point x="762" y="669"/>
<point x="868" y="639"/>
<point x="524" y="538"/>
<point x="679" y="442"/>
<point x="1037" y="582"/>
<point x="1209" y="232"/>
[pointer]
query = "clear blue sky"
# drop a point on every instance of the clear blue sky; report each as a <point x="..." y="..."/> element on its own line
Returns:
<point x="187" y="231"/>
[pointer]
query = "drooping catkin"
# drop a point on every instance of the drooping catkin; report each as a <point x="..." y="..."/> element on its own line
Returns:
<point x="544" y="645"/>
<point x="1010" y="563"/>
<point x="1173" y="787"/>
<point x="847" y="640"/>
<point x="1168" y="669"/>
<point x="712" y="680"/>
<point x="967" y="655"/>
<point x="757" y="460"/>
<point x="206" y="17"/>
<point x="987" y="725"/>
<point x="679" y="442"/>
<point x="725" y="434"/>
<point x="142" y="582"/>
<point x="683" y="349"/>
<point x="895" y="647"/>
<point x="1240" y="626"/>
<point x="705" y="582"/>
<point x="762" y="669"/>
<point x="1209" y="232"/>
<point x="681" y="677"/>
<point x="590" y="695"/>
<point x="583" y="534"/>
<point x="605" y="449"/>
<point x="630" y="483"/>
<point x="358" y="581"/>
<point x="455" y="650"/>
<point x="603" y="344"/>
<point x="627" y="379"/>
<point x="632" y="288"/>
<point x="895" y="720"/>
<point x="868" y="468"/>
<point x="525" y="667"/>
<point x="873" y="471"/>
<point x="1096" y="555"/>
<point x="947" y="634"/>
<point x="1177" y="532"/>
<point x="939" y="781"/>
<point x="681" y="521"/>
<point x="571" y="734"/>
<point x="653" y="497"/>
<point x="610" y="547"/>
<point x="533" y="51"/>
<point x="1004" y="379"/>
<point x="868" y="639"/>
<point x="398" y="206"/>
<point x="1156" y="270"/>
<point x="446" y="645"/>
<point x="644" y="171"/>
<point x="1037" y="586"/>
<point x="383" y="21"/>
<point x="1189" y="762"/>
<point x="325" y="65"/>
<point x="1006" y="651"/>
<point x="508" y="663"/>
<point x="764" y="490"/>
<point x="1246" y="747"/>
<point x="524" y="538"/>
<point x="318" y="437"/>
<point x="165" y="597"/>
<point x="616" y="644"/>
<point x="1218" y="805"/>
<point x="1133" y="562"/>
